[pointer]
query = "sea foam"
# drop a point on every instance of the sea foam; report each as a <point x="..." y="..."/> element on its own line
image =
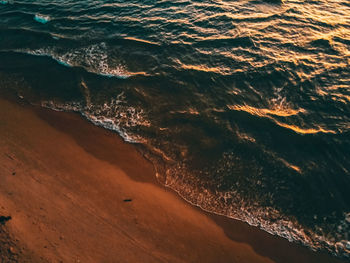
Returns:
<point x="115" y="115"/>
<point x="41" y="18"/>
<point x="94" y="58"/>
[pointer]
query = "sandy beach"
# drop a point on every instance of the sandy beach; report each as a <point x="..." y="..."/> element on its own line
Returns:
<point x="74" y="192"/>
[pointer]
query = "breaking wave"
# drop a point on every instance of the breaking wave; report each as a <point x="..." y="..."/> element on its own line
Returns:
<point x="93" y="58"/>
<point x="41" y="18"/>
<point x="114" y="115"/>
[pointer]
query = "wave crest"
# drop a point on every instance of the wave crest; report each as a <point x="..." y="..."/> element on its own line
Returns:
<point x="42" y="18"/>
<point x="93" y="58"/>
<point x="115" y="115"/>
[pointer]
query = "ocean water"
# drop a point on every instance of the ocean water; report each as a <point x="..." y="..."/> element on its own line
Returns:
<point x="242" y="106"/>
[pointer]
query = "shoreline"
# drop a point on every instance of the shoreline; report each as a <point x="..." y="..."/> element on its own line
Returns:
<point x="84" y="181"/>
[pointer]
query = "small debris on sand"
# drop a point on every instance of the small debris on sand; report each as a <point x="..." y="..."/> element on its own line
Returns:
<point x="12" y="250"/>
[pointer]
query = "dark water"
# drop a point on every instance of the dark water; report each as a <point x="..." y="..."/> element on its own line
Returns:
<point x="243" y="106"/>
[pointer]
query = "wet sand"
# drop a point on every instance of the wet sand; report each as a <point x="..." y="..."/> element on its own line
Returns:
<point x="77" y="193"/>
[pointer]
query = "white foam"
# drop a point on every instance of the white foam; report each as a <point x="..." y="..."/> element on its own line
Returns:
<point x="94" y="58"/>
<point x="42" y="18"/>
<point x="115" y="115"/>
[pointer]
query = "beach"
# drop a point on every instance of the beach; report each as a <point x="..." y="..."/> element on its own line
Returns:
<point x="186" y="131"/>
<point x="78" y="193"/>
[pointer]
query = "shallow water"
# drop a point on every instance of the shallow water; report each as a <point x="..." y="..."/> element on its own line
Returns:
<point x="243" y="106"/>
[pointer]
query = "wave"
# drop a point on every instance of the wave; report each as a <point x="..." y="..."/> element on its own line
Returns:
<point x="94" y="58"/>
<point x="115" y="115"/>
<point x="43" y="19"/>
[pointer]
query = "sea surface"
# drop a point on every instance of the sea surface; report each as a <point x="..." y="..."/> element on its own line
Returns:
<point x="242" y="106"/>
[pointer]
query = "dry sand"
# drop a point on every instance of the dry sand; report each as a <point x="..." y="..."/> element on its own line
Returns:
<point x="78" y="193"/>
